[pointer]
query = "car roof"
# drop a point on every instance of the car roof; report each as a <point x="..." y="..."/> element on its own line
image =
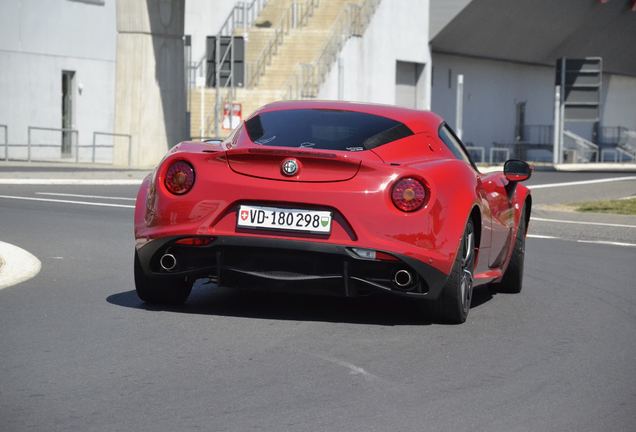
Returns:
<point x="416" y="120"/>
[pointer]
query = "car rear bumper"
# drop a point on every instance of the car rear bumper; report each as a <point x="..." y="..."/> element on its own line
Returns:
<point x="290" y="265"/>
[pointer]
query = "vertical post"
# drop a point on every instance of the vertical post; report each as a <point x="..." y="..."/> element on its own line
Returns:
<point x="6" y="143"/>
<point x="202" y="109"/>
<point x="76" y="145"/>
<point x="231" y="77"/>
<point x="246" y="26"/>
<point x="129" y="150"/>
<point x="93" y="155"/>
<point x="340" y="78"/>
<point x="29" y="144"/>
<point x="459" y="107"/>
<point x="217" y="78"/>
<point x="562" y="110"/>
<point x="556" y="145"/>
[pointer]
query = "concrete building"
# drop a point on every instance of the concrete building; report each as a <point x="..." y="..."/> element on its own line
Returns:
<point x="390" y="63"/>
<point x="143" y="70"/>
<point x="57" y="70"/>
<point x="507" y="52"/>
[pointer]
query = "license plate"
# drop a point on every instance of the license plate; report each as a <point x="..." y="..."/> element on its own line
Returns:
<point x="314" y="221"/>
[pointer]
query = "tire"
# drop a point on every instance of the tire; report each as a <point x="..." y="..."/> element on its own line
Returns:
<point x="165" y="290"/>
<point x="512" y="280"/>
<point x="454" y="303"/>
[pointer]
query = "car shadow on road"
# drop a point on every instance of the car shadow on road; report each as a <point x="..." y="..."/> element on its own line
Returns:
<point x="208" y="299"/>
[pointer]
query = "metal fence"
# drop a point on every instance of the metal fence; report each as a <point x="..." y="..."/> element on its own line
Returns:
<point x="494" y="151"/>
<point x="535" y="143"/>
<point x="112" y="146"/>
<point x="60" y="145"/>
<point x="6" y="141"/>
<point x="45" y="144"/>
<point x="618" y="155"/>
<point x="537" y="134"/>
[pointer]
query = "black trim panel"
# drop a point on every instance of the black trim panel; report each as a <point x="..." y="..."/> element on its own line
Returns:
<point x="431" y="279"/>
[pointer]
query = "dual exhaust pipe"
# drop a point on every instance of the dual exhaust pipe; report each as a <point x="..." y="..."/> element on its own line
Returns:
<point x="403" y="278"/>
<point x="168" y="262"/>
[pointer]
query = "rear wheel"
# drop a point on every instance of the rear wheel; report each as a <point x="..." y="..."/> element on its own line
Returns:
<point x="454" y="304"/>
<point x="165" y="290"/>
<point x="512" y="280"/>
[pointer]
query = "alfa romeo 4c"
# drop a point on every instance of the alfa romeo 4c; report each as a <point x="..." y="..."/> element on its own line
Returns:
<point x="332" y="197"/>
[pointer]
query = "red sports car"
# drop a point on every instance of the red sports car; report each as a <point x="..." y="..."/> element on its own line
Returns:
<point x="335" y="197"/>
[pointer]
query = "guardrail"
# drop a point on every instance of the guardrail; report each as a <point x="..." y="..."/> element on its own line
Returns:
<point x="613" y="135"/>
<point x="73" y="132"/>
<point x="618" y="153"/>
<point x="94" y="146"/>
<point x="588" y="150"/>
<point x="494" y="150"/>
<point x="6" y="141"/>
<point x="74" y="150"/>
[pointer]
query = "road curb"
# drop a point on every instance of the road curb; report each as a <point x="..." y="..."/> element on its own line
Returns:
<point x="16" y="265"/>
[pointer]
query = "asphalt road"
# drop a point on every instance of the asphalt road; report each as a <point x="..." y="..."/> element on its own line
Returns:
<point x="80" y="352"/>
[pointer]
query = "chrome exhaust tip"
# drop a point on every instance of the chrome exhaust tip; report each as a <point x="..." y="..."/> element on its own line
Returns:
<point x="403" y="278"/>
<point x="168" y="262"/>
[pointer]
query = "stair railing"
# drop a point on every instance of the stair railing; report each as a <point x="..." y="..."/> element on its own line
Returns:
<point x="242" y="15"/>
<point x="297" y="15"/>
<point x="618" y="141"/>
<point x="583" y="150"/>
<point x="306" y="80"/>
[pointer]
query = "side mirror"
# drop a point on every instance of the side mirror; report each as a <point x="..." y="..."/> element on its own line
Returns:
<point x="517" y="170"/>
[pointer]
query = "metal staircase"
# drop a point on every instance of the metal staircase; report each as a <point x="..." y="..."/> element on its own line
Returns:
<point x="292" y="44"/>
<point x="307" y="78"/>
<point x="578" y="149"/>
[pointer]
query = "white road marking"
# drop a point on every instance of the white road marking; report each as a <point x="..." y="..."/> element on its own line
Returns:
<point x="16" y="265"/>
<point x="604" y="242"/>
<point x="539" y="236"/>
<point x="88" y="203"/>
<point x="539" y="219"/>
<point x="86" y="196"/>
<point x="582" y="182"/>
<point x="70" y="182"/>
<point x="353" y="369"/>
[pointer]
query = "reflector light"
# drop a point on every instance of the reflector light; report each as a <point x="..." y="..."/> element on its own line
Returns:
<point x="385" y="257"/>
<point x="373" y="255"/>
<point x="408" y="194"/>
<point x="179" y="177"/>
<point x="364" y="253"/>
<point x="195" y="241"/>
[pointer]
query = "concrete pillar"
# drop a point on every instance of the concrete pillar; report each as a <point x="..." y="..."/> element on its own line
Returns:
<point x="150" y="95"/>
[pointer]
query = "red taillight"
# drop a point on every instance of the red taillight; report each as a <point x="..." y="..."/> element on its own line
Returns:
<point x="408" y="194"/>
<point x="195" y="241"/>
<point x="179" y="177"/>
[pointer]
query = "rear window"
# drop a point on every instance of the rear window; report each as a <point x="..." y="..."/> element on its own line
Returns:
<point x="324" y="129"/>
